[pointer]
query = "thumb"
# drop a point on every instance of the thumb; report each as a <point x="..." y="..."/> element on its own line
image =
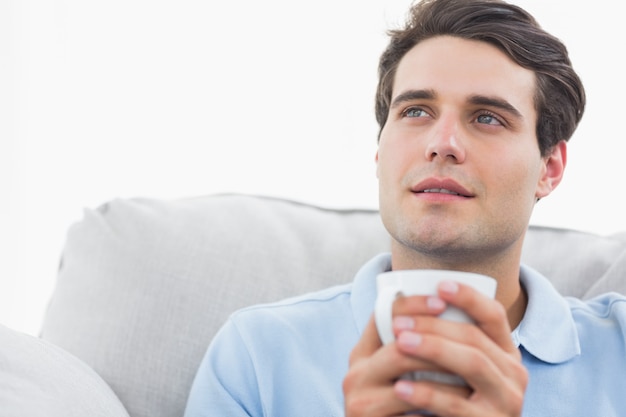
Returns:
<point x="368" y="343"/>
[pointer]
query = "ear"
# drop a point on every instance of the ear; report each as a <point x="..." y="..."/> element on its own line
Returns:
<point x="377" y="166"/>
<point x="553" y="168"/>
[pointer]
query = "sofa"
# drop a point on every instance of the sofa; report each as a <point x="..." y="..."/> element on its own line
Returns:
<point x="144" y="284"/>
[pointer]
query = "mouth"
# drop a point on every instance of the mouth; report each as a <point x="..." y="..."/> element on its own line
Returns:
<point x="441" y="186"/>
<point x="440" y="191"/>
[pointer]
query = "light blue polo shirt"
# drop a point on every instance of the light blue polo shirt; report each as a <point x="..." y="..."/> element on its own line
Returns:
<point x="289" y="358"/>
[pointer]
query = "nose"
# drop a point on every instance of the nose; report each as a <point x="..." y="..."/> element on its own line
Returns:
<point x="445" y="143"/>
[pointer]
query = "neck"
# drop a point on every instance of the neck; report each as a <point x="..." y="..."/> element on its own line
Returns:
<point x="515" y="312"/>
<point x="505" y="269"/>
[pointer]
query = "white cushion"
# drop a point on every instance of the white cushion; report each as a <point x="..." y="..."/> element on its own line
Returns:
<point x="144" y="284"/>
<point x="38" y="379"/>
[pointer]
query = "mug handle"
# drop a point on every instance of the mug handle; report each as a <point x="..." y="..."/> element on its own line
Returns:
<point x="383" y="312"/>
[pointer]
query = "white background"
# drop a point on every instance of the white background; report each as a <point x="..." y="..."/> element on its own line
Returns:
<point x="169" y="99"/>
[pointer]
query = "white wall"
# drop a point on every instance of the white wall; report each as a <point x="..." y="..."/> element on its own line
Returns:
<point x="168" y="99"/>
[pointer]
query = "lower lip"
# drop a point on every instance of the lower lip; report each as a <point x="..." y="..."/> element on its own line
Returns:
<point x="440" y="197"/>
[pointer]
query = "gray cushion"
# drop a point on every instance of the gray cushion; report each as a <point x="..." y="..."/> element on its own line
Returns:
<point x="578" y="264"/>
<point x="38" y="379"/>
<point x="144" y="284"/>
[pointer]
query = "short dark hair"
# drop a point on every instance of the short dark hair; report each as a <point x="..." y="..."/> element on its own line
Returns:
<point x="559" y="96"/>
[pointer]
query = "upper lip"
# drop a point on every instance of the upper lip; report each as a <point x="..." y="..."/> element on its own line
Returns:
<point x="441" y="185"/>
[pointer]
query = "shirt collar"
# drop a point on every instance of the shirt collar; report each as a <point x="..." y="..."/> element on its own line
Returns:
<point x="547" y="330"/>
<point x="364" y="289"/>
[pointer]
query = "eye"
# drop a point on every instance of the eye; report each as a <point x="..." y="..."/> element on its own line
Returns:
<point x="489" y="119"/>
<point x="414" y="112"/>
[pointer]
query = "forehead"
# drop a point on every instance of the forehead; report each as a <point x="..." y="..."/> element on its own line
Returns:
<point x="458" y="68"/>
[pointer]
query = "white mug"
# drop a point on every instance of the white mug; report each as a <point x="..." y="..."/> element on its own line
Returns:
<point x="391" y="285"/>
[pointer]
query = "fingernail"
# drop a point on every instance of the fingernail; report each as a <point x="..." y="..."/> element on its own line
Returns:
<point x="403" y="323"/>
<point x="435" y="303"/>
<point x="449" y="287"/>
<point x="409" y="339"/>
<point x="404" y="389"/>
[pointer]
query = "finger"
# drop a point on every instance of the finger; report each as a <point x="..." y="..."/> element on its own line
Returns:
<point x="488" y="314"/>
<point x="502" y="351"/>
<point x="384" y="363"/>
<point x="498" y="377"/>
<point x="368" y="344"/>
<point x="416" y="305"/>
<point x="459" y="333"/>
<point x="368" y="384"/>
<point x="374" y="402"/>
<point x="403" y="308"/>
<point x="431" y="398"/>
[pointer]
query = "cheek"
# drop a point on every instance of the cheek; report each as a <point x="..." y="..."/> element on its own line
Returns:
<point x="520" y="184"/>
<point x="395" y="155"/>
<point x="390" y="171"/>
<point x="386" y="157"/>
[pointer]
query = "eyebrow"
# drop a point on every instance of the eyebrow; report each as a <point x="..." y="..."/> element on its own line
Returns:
<point x="497" y="103"/>
<point x="477" y="99"/>
<point x="411" y="95"/>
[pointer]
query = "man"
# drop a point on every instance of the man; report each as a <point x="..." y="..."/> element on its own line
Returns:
<point x="475" y="103"/>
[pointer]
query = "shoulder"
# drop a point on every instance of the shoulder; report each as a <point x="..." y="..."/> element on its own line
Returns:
<point x="325" y="295"/>
<point x="601" y="319"/>
<point x="302" y="308"/>
<point x="603" y="306"/>
<point x="302" y="326"/>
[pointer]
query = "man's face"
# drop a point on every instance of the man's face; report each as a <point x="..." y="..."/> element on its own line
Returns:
<point x="458" y="163"/>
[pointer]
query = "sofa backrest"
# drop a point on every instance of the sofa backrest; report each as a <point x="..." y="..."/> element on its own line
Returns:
<point x="144" y="284"/>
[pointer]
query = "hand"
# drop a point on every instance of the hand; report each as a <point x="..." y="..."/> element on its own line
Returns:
<point x="482" y="354"/>
<point x="369" y="384"/>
